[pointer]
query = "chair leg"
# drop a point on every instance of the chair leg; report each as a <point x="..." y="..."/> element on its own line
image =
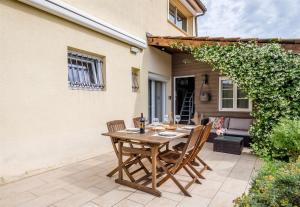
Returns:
<point x="183" y="190"/>
<point x="195" y="171"/>
<point x="204" y="163"/>
<point x="191" y="174"/>
<point x="144" y="167"/>
<point x="128" y="174"/>
<point x="114" y="171"/>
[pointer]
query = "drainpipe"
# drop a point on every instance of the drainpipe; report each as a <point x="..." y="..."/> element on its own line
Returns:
<point x="196" y="21"/>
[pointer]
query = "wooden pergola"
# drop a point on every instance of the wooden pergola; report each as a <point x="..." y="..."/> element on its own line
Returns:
<point x="165" y="42"/>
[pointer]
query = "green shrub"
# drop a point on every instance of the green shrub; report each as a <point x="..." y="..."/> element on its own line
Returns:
<point x="286" y="138"/>
<point x="276" y="185"/>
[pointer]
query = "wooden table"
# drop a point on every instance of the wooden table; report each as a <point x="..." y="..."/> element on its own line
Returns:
<point x="147" y="139"/>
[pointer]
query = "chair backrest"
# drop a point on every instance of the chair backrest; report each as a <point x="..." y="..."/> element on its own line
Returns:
<point x="190" y="145"/>
<point x="136" y="122"/>
<point x="206" y="132"/>
<point x="115" y="125"/>
<point x="202" y="139"/>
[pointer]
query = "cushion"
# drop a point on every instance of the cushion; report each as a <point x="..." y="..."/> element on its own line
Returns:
<point x="225" y="124"/>
<point x="237" y="132"/>
<point x="237" y="123"/>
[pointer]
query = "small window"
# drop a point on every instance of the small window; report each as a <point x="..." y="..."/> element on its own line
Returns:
<point x="231" y="97"/>
<point x="84" y="71"/>
<point x="177" y="18"/>
<point x="181" y="21"/>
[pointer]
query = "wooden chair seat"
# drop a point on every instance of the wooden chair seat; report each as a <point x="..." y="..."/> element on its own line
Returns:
<point x="179" y="147"/>
<point x="170" y="156"/>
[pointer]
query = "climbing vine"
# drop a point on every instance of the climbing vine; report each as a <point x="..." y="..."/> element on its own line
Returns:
<point x="268" y="74"/>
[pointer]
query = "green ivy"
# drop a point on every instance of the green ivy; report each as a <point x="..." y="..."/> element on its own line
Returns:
<point x="268" y="74"/>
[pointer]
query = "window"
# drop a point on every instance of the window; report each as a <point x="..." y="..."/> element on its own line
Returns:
<point x="231" y="97"/>
<point x="177" y="18"/>
<point x="135" y="76"/>
<point x="85" y="71"/>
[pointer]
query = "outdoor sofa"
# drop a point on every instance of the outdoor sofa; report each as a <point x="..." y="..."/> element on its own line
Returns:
<point x="235" y="127"/>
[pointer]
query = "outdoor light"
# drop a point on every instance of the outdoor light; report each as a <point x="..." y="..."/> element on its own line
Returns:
<point x="204" y="96"/>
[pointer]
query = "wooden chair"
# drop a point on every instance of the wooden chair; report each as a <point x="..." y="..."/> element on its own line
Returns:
<point x="173" y="161"/>
<point x="204" y="136"/>
<point x="134" y="154"/>
<point x="136" y="122"/>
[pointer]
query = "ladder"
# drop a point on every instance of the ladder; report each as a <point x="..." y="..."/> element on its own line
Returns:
<point x="187" y="107"/>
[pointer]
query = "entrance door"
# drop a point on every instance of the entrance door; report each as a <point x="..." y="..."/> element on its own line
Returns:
<point x="184" y="87"/>
<point x="157" y="99"/>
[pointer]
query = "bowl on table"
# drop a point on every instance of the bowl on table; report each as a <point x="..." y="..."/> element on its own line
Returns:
<point x="170" y="127"/>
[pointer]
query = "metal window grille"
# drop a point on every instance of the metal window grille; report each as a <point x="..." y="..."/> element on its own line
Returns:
<point x="85" y="71"/>
<point x="135" y="81"/>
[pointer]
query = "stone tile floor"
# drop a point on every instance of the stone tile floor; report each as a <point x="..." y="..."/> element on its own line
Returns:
<point x="84" y="184"/>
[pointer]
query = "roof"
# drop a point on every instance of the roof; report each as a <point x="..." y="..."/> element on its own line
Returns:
<point x="165" y="42"/>
<point x="201" y="5"/>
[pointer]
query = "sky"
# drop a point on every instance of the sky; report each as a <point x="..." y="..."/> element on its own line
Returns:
<point x="251" y="18"/>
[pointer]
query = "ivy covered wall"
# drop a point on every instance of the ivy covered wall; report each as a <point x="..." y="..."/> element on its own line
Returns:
<point x="268" y="74"/>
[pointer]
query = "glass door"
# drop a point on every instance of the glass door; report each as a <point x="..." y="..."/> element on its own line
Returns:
<point x="157" y="99"/>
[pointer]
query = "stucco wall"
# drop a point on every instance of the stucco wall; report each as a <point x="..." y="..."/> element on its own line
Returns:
<point x="45" y="124"/>
<point x="134" y="16"/>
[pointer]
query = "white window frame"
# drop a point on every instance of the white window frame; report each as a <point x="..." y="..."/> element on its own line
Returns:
<point x="82" y="71"/>
<point x="235" y="87"/>
<point x="176" y="12"/>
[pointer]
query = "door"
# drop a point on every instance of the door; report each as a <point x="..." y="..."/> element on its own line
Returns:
<point x="157" y="99"/>
<point x="184" y="87"/>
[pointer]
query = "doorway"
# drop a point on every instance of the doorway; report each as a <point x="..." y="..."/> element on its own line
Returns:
<point x="156" y="99"/>
<point x="184" y="101"/>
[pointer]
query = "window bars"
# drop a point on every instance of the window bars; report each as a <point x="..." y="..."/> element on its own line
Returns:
<point x="85" y="71"/>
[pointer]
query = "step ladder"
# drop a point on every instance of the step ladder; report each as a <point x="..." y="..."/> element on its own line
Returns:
<point x="187" y="108"/>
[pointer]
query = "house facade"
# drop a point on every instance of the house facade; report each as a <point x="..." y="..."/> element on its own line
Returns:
<point x="69" y="66"/>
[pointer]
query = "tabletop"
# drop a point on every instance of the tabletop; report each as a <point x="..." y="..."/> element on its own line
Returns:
<point x="148" y="137"/>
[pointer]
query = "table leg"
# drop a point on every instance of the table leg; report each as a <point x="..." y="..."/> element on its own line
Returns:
<point x="120" y="156"/>
<point x="154" y="153"/>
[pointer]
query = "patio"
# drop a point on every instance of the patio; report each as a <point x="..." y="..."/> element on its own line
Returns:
<point x="85" y="184"/>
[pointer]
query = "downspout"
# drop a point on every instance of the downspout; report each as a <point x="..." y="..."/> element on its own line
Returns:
<point x="196" y="21"/>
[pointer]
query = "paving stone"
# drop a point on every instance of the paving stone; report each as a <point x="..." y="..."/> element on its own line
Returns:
<point x="47" y="199"/>
<point x="195" y="200"/>
<point x="141" y="197"/>
<point x="128" y="203"/>
<point x="223" y="199"/>
<point x="14" y="200"/>
<point x="111" y="198"/>
<point x="20" y="186"/>
<point x="234" y="185"/>
<point x="76" y="199"/>
<point x="160" y="201"/>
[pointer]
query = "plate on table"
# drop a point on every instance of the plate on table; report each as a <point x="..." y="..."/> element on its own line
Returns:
<point x="167" y="134"/>
<point x="133" y="129"/>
